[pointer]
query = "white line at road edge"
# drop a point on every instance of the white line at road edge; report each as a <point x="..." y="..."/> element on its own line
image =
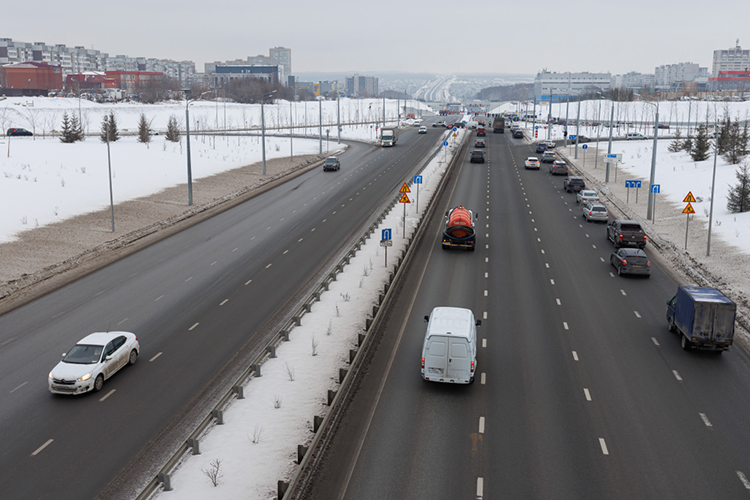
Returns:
<point x="480" y="488"/>
<point x="604" y="446"/>
<point x="14" y="390"/>
<point x="36" y="452"/>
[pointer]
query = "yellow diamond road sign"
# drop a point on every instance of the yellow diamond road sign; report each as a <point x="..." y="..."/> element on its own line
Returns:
<point x="689" y="209"/>
<point x="404" y="199"/>
<point x="405" y="189"/>
<point x="689" y="198"/>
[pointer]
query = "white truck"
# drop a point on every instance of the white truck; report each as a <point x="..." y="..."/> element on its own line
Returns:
<point x="388" y="136"/>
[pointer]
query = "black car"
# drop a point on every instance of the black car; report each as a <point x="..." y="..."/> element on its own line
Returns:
<point x="631" y="261"/>
<point x="479" y="143"/>
<point x="331" y="163"/>
<point x="541" y="147"/>
<point x="573" y="184"/>
<point x="518" y="134"/>
<point x="18" y="132"/>
<point x="477" y="156"/>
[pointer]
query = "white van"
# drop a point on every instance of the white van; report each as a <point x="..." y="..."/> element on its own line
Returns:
<point x="449" y="353"/>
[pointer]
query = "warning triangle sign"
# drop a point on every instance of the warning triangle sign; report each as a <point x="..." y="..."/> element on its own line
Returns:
<point x="404" y="199"/>
<point x="689" y="209"/>
<point x="405" y="189"/>
<point x="689" y="198"/>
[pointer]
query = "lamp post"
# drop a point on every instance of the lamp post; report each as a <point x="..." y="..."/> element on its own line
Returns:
<point x="609" y="147"/>
<point x="263" y="128"/>
<point x="713" y="184"/>
<point x="598" y="130"/>
<point x="187" y="135"/>
<point x="650" y="209"/>
<point x="578" y="121"/>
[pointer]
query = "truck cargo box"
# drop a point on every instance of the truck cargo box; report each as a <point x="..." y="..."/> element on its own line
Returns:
<point x="703" y="316"/>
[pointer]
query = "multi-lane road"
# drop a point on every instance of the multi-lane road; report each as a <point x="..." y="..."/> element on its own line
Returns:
<point x="201" y="302"/>
<point x="581" y="392"/>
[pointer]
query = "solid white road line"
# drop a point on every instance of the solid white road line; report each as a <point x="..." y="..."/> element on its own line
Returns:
<point x="107" y="395"/>
<point x="481" y="425"/>
<point x="192" y="327"/>
<point x="155" y="356"/>
<point x="121" y="322"/>
<point x="604" y="446"/>
<point x="158" y="298"/>
<point x="705" y="420"/>
<point x="36" y="452"/>
<point x="480" y="488"/>
<point x="587" y="394"/>
<point x="677" y="375"/>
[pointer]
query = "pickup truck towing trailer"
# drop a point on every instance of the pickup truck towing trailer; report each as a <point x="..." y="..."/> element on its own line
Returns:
<point x="459" y="228"/>
<point x="388" y="136"/>
<point x="703" y="316"/>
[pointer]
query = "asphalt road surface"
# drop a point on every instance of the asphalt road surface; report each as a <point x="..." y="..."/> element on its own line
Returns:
<point x="581" y="391"/>
<point x="200" y="302"/>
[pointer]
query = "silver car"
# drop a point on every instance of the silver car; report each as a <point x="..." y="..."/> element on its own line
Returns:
<point x="586" y="195"/>
<point x="595" y="212"/>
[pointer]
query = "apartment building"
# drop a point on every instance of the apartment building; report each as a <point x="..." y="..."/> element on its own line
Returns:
<point x="560" y="86"/>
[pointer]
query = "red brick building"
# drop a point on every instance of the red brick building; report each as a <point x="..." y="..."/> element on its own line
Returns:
<point x="91" y="80"/>
<point x="33" y="76"/>
<point x="133" y="80"/>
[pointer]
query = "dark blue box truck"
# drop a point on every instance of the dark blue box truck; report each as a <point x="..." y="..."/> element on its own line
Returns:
<point x="703" y="316"/>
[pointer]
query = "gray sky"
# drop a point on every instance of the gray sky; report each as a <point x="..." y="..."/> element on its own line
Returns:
<point x="441" y="36"/>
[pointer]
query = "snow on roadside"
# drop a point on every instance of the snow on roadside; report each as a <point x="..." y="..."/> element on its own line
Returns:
<point x="257" y="445"/>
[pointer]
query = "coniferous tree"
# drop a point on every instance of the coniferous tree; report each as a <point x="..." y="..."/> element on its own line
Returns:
<point x="735" y="147"/>
<point x="76" y="129"/>
<point x="701" y="145"/>
<point x="114" y="131"/>
<point x="144" y="134"/>
<point x="738" y="197"/>
<point x="67" y="134"/>
<point x="677" y="143"/>
<point x="173" y="130"/>
<point x="724" y="139"/>
<point x="104" y="133"/>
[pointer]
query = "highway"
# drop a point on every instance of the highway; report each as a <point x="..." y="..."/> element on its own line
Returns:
<point x="203" y="302"/>
<point x="581" y="392"/>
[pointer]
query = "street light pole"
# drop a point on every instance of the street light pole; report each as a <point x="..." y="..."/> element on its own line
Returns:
<point x="263" y="128"/>
<point x="320" y="126"/>
<point x="598" y="130"/>
<point x="609" y="147"/>
<point x="713" y="184"/>
<point x="187" y="135"/>
<point x="578" y="122"/>
<point x="650" y="208"/>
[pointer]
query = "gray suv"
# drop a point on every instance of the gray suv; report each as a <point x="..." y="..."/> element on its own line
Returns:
<point x="548" y="157"/>
<point x="573" y="184"/>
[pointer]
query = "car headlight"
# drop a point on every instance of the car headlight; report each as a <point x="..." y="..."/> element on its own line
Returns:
<point x="50" y="375"/>
<point x="84" y="378"/>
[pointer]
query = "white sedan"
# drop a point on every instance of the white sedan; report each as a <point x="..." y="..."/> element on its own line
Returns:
<point x="92" y="361"/>
<point x="586" y="196"/>
<point x="532" y="162"/>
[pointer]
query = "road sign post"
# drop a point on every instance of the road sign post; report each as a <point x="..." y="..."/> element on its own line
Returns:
<point x="688" y="210"/>
<point x="385" y="242"/>
<point x="585" y="147"/>
<point x="655" y="188"/>
<point x="405" y="200"/>
<point x="417" y="181"/>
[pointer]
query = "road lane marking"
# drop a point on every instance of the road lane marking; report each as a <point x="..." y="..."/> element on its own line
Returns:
<point x="98" y="293"/>
<point x="224" y="302"/>
<point x="14" y="390"/>
<point x="601" y="258"/>
<point x="38" y="450"/>
<point x="269" y="265"/>
<point x="558" y="302"/>
<point x="595" y="248"/>
<point x="552" y="281"/>
<point x="248" y="282"/>
<point x="311" y="230"/>
<point x="744" y="480"/>
<point x="158" y="298"/>
<point x="480" y="488"/>
<point x="705" y="420"/>
<point x="622" y="291"/>
<point x="484" y="315"/>
<point x="155" y="356"/>
<point x="653" y="339"/>
<point x="121" y="322"/>
<point x="677" y="375"/>
<point x="188" y="279"/>
<point x="611" y="274"/>
<point x="481" y="425"/>
<point x="214" y="262"/>
<point x="484" y="342"/>
<point x="300" y="240"/>
<point x="486" y="259"/>
<point x="565" y="325"/>
<point x="251" y="239"/>
<point x="546" y="264"/>
<point x="235" y="249"/>
<point x="486" y="275"/>
<point x="285" y="252"/>
<point x="485" y="293"/>
<point x="107" y="395"/>
<point x="605" y="451"/>
<point x="636" y="314"/>
<point x="539" y="240"/>
<point x="192" y="327"/>
<point x="542" y="251"/>
<point x="587" y="394"/>
<point x="575" y="355"/>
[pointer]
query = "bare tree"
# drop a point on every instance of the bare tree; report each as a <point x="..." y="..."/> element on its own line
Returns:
<point x="34" y="119"/>
<point x="213" y="472"/>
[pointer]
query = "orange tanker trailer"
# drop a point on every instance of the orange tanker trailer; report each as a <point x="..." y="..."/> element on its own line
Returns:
<point x="459" y="228"/>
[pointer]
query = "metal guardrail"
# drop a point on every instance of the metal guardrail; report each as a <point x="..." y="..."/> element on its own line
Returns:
<point x="162" y="480"/>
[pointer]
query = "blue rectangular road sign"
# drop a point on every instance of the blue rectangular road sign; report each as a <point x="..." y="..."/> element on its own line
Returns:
<point x="633" y="184"/>
<point x="656" y="188"/>
<point x="572" y="137"/>
<point x="386" y="234"/>
<point x="417" y="179"/>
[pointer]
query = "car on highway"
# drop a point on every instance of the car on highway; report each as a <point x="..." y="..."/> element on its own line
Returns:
<point x="422" y="129"/>
<point x="518" y="134"/>
<point x="634" y="136"/>
<point x="441" y="123"/>
<point x="550" y="144"/>
<point x="581" y="139"/>
<point x="532" y="162"/>
<point x="541" y="147"/>
<point x="17" y="132"/>
<point x="549" y="157"/>
<point x="481" y="132"/>
<point x="94" y="359"/>
<point x="573" y="184"/>
<point x="477" y="156"/>
<point x="479" y="143"/>
<point x="595" y="212"/>
<point x="331" y="163"/>
<point x="631" y="261"/>
<point x="586" y="195"/>
<point x="558" y="167"/>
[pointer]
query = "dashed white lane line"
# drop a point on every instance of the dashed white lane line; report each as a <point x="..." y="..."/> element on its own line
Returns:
<point x="251" y="239"/>
<point x="300" y="240"/>
<point x="623" y="292"/>
<point x="311" y="230"/>
<point x="224" y="302"/>
<point x="637" y="315"/>
<point x="214" y="262"/>
<point x="18" y="387"/>
<point x="480" y="488"/>
<point x="193" y="327"/>
<point x="605" y="451"/>
<point x="546" y="264"/>
<point x="594" y="246"/>
<point x="484" y="342"/>
<point x="565" y="325"/>
<point x="188" y="279"/>
<point x="677" y="375"/>
<point x="486" y="259"/>
<point x="483" y="379"/>
<point x="121" y="322"/>
<point x="38" y="450"/>
<point x="558" y="302"/>
<point x="587" y="394"/>
<point x="481" y="425"/>
<point x="248" y="282"/>
<point x="653" y="339"/>
<point x="235" y="249"/>
<point x="539" y="240"/>
<point x="601" y="258"/>
<point x="155" y="356"/>
<point x="486" y="275"/>
<point x="269" y="265"/>
<point x="269" y="227"/>
<point x="285" y="252"/>
<point x="552" y="282"/>
<point x="484" y="315"/>
<point x="705" y="419"/>
<point x="107" y="395"/>
<point x="485" y="293"/>
<point x="611" y="274"/>
<point x="158" y="298"/>
<point x="542" y="251"/>
<point x="575" y="355"/>
<point x="98" y="293"/>
<point x="744" y="480"/>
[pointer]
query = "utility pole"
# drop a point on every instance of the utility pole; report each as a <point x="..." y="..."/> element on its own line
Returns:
<point x="609" y="148"/>
<point x="338" y="118"/>
<point x="320" y="126"/>
<point x="578" y="124"/>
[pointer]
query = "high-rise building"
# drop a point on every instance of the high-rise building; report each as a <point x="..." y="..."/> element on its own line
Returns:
<point x="281" y="57"/>
<point x="361" y="86"/>
<point x="734" y="59"/>
<point x="676" y="76"/>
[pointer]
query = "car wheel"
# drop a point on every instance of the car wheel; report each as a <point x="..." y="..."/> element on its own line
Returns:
<point x="671" y="326"/>
<point x="133" y="357"/>
<point x="99" y="383"/>
<point x="685" y="343"/>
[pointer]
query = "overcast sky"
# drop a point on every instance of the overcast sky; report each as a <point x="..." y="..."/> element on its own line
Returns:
<point x="440" y="36"/>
